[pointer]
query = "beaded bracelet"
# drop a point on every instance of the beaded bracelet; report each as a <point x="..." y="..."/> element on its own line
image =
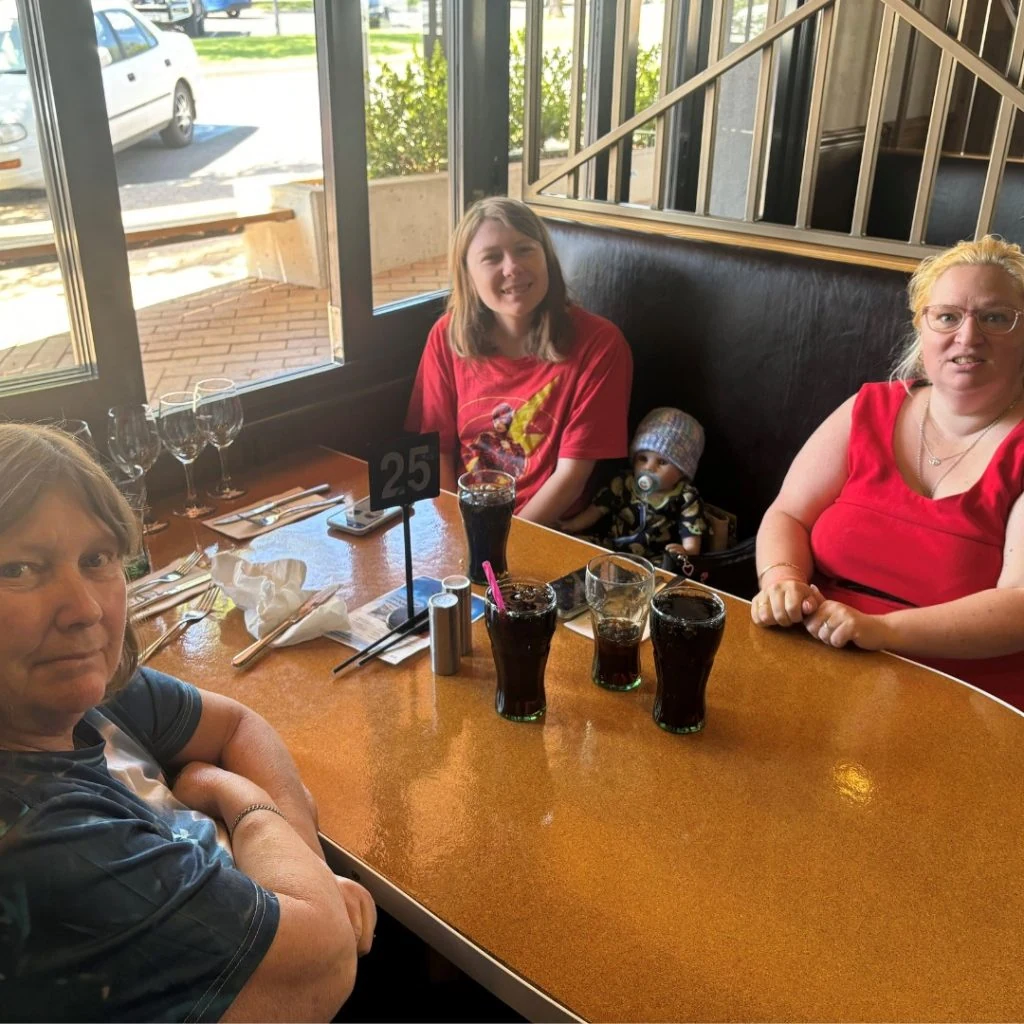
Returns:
<point x="248" y="810"/>
<point x="777" y="565"/>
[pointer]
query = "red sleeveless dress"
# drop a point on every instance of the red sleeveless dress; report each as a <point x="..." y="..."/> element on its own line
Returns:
<point x="880" y="534"/>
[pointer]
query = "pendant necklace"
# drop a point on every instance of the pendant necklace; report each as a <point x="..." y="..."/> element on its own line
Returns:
<point x="957" y="457"/>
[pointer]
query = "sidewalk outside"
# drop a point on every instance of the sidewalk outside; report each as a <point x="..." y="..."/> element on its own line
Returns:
<point x="199" y="315"/>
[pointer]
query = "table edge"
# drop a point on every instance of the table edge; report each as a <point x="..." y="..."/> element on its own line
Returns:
<point x="492" y="974"/>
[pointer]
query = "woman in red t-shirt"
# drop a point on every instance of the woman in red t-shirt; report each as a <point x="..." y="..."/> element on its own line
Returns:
<point x="515" y="377"/>
<point x="900" y="524"/>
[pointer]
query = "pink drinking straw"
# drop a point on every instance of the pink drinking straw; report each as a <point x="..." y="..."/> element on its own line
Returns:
<point x="495" y="589"/>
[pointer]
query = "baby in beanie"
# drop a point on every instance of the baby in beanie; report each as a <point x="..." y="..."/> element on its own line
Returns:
<point x="653" y="508"/>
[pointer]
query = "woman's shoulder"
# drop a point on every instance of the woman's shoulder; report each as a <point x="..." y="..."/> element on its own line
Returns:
<point x="882" y="396"/>
<point x="159" y="710"/>
<point x="594" y="333"/>
<point x="437" y="337"/>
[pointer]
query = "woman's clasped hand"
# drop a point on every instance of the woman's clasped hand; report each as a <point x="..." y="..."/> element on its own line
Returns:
<point x="791" y="601"/>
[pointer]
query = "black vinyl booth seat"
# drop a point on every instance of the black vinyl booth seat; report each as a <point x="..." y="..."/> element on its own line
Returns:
<point x="759" y="346"/>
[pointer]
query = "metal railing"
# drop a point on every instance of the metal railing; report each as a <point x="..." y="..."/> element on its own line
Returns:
<point x="953" y="53"/>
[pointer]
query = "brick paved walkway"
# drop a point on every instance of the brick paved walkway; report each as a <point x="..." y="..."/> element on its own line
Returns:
<point x="245" y="329"/>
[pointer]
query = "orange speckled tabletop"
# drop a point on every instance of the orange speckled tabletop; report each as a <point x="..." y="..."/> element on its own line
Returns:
<point x="842" y="842"/>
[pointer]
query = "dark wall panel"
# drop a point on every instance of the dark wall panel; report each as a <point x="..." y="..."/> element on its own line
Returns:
<point x="759" y="346"/>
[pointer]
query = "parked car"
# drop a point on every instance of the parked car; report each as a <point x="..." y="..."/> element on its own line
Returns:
<point x="150" y="80"/>
<point x="186" y="15"/>
<point x="379" y="10"/>
<point x="232" y="8"/>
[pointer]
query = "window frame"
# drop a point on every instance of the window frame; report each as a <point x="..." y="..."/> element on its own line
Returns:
<point x="378" y="345"/>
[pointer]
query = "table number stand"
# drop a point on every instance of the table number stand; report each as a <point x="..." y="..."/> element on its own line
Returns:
<point x="404" y="470"/>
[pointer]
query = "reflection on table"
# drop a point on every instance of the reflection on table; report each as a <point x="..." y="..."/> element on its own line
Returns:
<point x="841" y="842"/>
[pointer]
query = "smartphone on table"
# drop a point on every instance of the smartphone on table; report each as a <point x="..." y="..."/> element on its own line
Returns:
<point x="359" y="519"/>
<point x="571" y="593"/>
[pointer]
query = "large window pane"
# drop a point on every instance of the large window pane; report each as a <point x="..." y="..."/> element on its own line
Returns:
<point x="34" y="324"/>
<point x="407" y="148"/>
<point x="220" y="174"/>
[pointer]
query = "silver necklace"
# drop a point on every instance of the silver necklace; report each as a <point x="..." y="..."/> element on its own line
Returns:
<point x="957" y="457"/>
<point x="933" y="459"/>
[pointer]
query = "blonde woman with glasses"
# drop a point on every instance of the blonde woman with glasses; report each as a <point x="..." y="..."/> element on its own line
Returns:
<point x="515" y="377"/>
<point x="900" y="524"/>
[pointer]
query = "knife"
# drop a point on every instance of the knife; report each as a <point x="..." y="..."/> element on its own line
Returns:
<point x="253" y="652"/>
<point x="269" y="506"/>
<point x="179" y="588"/>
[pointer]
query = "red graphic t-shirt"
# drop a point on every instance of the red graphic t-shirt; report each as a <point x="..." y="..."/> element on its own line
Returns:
<point x="522" y="415"/>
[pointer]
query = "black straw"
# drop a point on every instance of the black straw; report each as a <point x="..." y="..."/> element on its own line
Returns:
<point x="393" y="635"/>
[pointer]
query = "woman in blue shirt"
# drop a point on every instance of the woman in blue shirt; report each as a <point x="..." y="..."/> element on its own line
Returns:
<point x="159" y="857"/>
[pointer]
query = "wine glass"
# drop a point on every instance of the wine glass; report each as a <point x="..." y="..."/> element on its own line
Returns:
<point x="80" y="431"/>
<point x="220" y="418"/>
<point x="133" y="441"/>
<point x="180" y="433"/>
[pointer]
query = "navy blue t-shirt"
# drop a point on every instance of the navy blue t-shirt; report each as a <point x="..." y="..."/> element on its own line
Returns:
<point x="117" y="902"/>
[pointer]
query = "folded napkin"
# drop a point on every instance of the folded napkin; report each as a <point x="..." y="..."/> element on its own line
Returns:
<point x="242" y="530"/>
<point x="268" y="592"/>
<point x="199" y="586"/>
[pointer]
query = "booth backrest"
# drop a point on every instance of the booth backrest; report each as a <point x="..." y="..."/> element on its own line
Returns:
<point x="759" y="346"/>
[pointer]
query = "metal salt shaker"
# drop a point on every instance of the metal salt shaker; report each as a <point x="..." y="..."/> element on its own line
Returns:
<point x="460" y="587"/>
<point x="443" y="613"/>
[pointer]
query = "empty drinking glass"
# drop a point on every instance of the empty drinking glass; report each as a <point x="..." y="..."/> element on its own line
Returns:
<point x="184" y="439"/>
<point x="133" y="441"/>
<point x="220" y="417"/>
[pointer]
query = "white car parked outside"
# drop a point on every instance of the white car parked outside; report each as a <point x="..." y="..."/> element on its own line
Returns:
<point x="149" y="82"/>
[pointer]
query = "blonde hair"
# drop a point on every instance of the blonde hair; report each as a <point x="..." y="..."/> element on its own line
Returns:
<point x="990" y="251"/>
<point x="35" y="459"/>
<point x="469" y="327"/>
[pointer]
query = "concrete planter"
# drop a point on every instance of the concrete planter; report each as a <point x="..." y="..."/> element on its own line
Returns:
<point x="408" y="223"/>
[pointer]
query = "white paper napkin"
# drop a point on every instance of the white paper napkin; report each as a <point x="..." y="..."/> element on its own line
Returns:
<point x="268" y="592"/>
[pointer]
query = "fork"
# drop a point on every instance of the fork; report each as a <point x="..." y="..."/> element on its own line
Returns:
<point x="272" y="517"/>
<point x="203" y="608"/>
<point x="182" y="569"/>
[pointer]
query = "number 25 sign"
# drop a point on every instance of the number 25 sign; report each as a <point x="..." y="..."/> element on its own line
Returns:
<point x="403" y="470"/>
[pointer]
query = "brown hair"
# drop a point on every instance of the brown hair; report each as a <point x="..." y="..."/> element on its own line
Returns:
<point x="469" y="328"/>
<point x="35" y="459"/>
<point x="990" y="251"/>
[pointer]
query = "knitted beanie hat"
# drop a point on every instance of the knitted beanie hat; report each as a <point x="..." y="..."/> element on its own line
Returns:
<point x="674" y="435"/>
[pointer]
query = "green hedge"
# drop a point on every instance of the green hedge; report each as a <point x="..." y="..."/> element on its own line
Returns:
<point x="407" y="113"/>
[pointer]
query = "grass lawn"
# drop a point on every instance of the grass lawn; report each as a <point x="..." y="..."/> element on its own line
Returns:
<point x="381" y="44"/>
<point x="284" y="5"/>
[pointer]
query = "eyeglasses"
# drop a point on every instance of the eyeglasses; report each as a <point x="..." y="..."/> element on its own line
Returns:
<point x="994" y="320"/>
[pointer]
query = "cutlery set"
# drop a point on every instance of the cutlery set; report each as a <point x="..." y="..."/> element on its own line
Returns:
<point x="260" y="512"/>
<point x="146" y="594"/>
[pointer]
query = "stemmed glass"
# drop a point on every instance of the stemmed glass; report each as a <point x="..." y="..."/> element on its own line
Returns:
<point x="133" y="441"/>
<point x="80" y="431"/>
<point x="183" y="438"/>
<point x="220" y="418"/>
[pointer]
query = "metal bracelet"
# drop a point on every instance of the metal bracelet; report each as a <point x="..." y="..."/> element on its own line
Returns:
<point x="778" y="565"/>
<point x="249" y="810"/>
